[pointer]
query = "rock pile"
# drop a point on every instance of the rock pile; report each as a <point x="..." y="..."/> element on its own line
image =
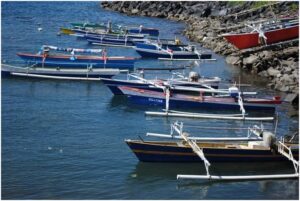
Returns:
<point x="206" y="21"/>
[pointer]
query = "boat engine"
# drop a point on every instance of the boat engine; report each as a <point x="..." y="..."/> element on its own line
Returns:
<point x="268" y="139"/>
<point x="233" y="91"/>
<point x="193" y="76"/>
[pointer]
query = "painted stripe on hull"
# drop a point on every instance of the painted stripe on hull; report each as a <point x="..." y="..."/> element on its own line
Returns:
<point x="156" y="153"/>
<point x="77" y="63"/>
<point x="192" y="104"/>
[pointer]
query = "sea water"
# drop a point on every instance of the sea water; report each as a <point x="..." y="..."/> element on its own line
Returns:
<point x="65" y="139"/>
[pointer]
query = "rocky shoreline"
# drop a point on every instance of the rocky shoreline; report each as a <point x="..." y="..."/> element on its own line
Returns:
<point x="207" y="20"/>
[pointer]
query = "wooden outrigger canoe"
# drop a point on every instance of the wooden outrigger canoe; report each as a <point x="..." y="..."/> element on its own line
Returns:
<point x="72" y="60"/>
<point x="263" y="148"/>
<point x="88" y="74"/>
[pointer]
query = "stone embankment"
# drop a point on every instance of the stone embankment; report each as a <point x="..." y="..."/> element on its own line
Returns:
<point x="206" y="21"/>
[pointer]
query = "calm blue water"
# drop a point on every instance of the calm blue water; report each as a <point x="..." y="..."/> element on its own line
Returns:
<point x="65" y="139"/>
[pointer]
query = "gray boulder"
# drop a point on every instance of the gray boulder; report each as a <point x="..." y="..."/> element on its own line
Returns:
<point x="234" y="60"/>
<point x="251" y="60"/>
<point x="273" y="72"/>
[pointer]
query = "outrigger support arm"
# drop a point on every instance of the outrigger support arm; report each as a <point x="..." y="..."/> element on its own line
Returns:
<point x="193" y="145"/>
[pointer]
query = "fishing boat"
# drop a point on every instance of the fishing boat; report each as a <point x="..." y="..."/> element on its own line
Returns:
<point x="59" y="73"/>
<point x="143" y="30"/>
<point x="136" y="80"/>
<point x="130" y="29"/>
<point x="264" y="34"/>
<point x="154" y="50"/>
<point x="46" y="59"/>
<point x="87" y="32"/>
<point x="89" y="25"/>
<point x="259" y="145"/>
<point x="124" y="41"/>
<point x="219" y="100"/>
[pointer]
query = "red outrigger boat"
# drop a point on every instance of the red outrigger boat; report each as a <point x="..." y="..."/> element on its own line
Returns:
<point x="272" y="34"/>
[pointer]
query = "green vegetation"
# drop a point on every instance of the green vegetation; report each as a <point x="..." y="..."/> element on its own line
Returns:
<point x="255" y="4"/>
<point x="294" y="6"/>
<point x="258" y="4"/>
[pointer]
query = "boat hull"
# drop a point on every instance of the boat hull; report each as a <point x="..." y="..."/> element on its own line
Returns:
<point x="149" y="31"/>
<point x="78" y="62"/>
<point x="248" y="40"/>
<point x="147" y="97"/>
<point x="149" y="53"/>
<point x="7" y="70"/>
<point x="171" y="152"/>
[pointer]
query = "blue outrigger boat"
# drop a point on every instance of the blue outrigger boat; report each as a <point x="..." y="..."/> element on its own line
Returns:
<point x="129" y="29"/>
<point x="229" y="101"/>
<point x="173" y="52"/>
<point x="114" y="41"/>
<point x="46" y="59"/>
<point x="143" y="30"/>
<point x="135" y="80"/>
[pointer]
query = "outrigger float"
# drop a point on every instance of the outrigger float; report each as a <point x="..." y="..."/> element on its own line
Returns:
<point x="259" y="146"/>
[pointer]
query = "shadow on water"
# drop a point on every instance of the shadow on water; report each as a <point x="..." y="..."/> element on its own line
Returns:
<point x="165" y="174"/>
<point x="170" y="170"/>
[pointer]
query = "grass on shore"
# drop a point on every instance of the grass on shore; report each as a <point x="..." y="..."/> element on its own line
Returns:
<point x="255" y="4"/>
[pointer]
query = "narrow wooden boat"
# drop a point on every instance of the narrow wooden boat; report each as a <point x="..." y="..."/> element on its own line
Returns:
<point x="76" y="61"/>
<point x="89" y="25"/>
<point x="261" y="147"/>
<point x="83" y="32"/>
<point x="271" y="34"/>
<point x="143" y="30"/>
<point x="130" y="29"/>
<point x="149" y="97"/>
<point x="166" y="151"/>
<point x="111" y="41"/>
<point x="154" y="50"/>
<point x="139" y="82"/>
<point x="59" y="73"/>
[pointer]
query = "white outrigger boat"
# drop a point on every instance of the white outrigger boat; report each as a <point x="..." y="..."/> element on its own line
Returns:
<point x="89" y="74"/>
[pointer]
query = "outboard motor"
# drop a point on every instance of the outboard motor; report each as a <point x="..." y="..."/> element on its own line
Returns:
<point x="233" y="91"/>
<point x="268" y="139"/>
<point x="193" y="76"/>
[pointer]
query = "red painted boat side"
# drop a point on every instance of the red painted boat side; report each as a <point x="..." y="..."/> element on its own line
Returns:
<point x="248" y="40"/>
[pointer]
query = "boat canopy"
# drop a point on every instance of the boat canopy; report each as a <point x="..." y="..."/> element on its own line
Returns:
<point x="50" y="47"/>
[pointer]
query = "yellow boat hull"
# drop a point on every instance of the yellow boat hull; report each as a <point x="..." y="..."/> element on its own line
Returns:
<point x="66" y="31"/>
